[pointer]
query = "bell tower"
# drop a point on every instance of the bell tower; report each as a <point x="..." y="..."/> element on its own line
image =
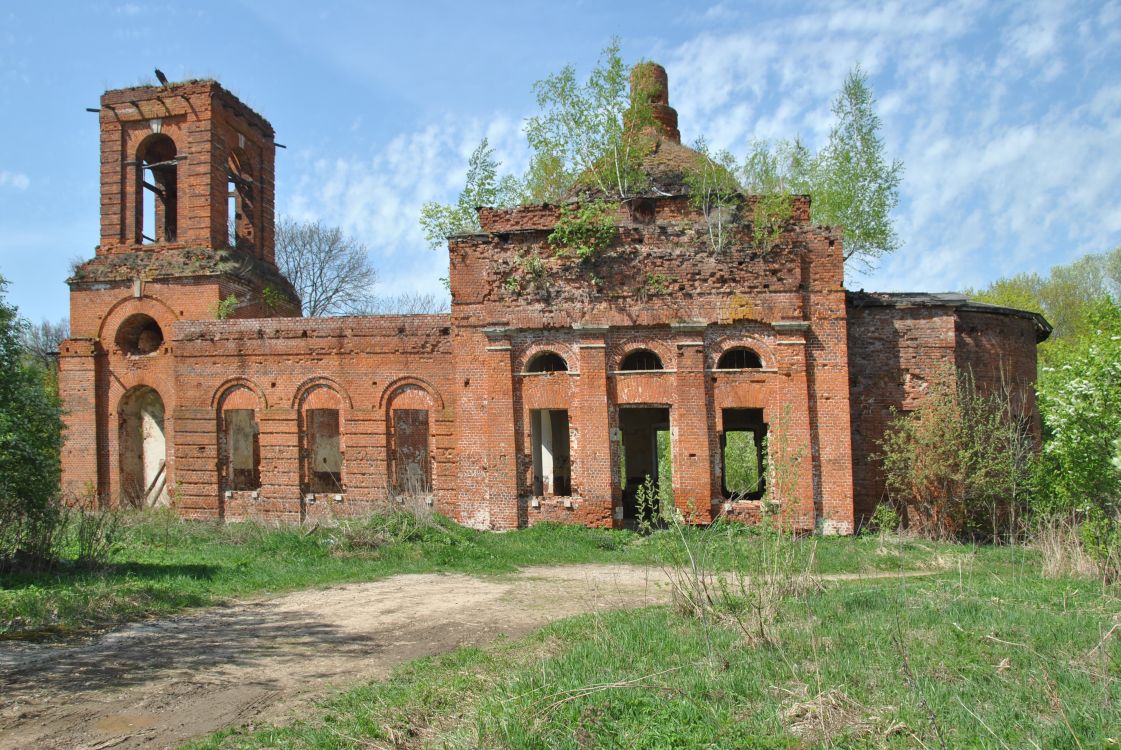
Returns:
<point x="187" y="203"/>
<point x="185" y="165"/>
<point x="187" y="200"/>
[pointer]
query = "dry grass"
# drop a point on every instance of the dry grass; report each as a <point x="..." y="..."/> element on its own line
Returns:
<point x="1062" y="550"/>
<point x="1065" y="555"/>
<point x="746" y="593"/>
<point x="831" y="715"/>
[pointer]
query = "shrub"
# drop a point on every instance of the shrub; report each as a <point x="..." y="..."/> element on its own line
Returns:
<point x="961" y="463"/>
<point x="586" y="229"/>
<point x="1080" y="402"/>
<point x="884" y="518"/>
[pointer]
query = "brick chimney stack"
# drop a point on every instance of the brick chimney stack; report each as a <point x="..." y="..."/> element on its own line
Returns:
<point x="650" y="78"/>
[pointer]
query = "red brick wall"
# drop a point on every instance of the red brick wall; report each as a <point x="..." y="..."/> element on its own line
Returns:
<point x="364" y="367"/>
<point x="207" y="124"/>
<point x="1000" y="352"/>
<point x="660" y="286"/>
<point x="830" y="370"/>
<point x="898" y="351"/>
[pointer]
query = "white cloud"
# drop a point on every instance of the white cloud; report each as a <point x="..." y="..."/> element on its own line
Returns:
<point x="1006" y="116"/>
<point x="1005" y="165"/>
<point x="377" y="199"/>
<point x="16" y="180"/>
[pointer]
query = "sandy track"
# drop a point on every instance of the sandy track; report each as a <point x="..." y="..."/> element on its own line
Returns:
<point x="158" y="684"/>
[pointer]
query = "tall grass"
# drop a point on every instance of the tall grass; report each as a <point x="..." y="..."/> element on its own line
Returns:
<point x="991" y="655"/>
<point x="160" y="563"/>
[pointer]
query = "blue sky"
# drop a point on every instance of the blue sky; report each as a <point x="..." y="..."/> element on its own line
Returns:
<point x="1006" y="115"/>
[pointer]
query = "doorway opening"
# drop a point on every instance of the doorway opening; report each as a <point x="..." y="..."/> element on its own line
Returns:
<point x="324" y="451"/>
<point x="646" y="463"/>
<point x="741" y="445"/>
<point x="551" y="456"/>
<point x="143" y="449"/>
<point x="412" y="468"/>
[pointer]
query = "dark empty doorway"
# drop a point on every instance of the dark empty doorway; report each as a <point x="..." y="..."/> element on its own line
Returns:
<point x="646" y="463"/>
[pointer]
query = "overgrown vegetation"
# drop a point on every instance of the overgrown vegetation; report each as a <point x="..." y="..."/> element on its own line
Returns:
<point x="1075" y="489"/>
<point x="482" y="188"/>
<point x="589" y="141"/>
<point x="223" y="309"/>
<point x="1068" y="296"/>
<point x="30" y="439"/>
<point x="584" y="229"/>
<point x="716" y="193"/>
<point x="592" y="135"/>
<point x="961" y="463"/>
<point x="159" y="563"/>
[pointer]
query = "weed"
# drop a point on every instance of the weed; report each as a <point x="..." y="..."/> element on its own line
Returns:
<point x="586" y="229"/>
<point x="225" y="308"/>
<point x="884" y="519"/>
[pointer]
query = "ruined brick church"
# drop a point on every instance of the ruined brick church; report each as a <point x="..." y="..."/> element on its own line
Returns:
<point x="552" y="389"/>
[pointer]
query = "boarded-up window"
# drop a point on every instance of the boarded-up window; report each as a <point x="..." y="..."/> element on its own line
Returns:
<point x="551" y="459"/>
<point x="742" y="446"/>
<point x="411" y="466"/>
<point x="242" y="452"/>
<point x="324" y="454"/>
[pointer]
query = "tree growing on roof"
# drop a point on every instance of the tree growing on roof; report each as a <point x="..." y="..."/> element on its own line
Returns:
<point x="439" y="221"/>
<point x="851" y="181"/>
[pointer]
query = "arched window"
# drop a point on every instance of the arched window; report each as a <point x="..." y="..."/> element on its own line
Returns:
<point x="240" y="206"/>
<point x="411" y="454"/>
<point x="641" y="359"/>
<point x="321" y="440"/>
<point x="739" y="358"/>
<point x="239" y="443"/>
<point x="157" y="189"/>
<point x="547" y="362"/>
<point x="139" y="335"/>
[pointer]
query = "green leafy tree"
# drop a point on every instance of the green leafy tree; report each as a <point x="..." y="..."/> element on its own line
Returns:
<point x="483" y="188"/>
<point x="1068" y="296"/>
<point x="30" y="440"/>
<point x="1079" y="472"/>
<point x="852" y="183"/>
<point x="774" y="173"/>
<point x="715" y="192"/>
<point x="595" y="132"/>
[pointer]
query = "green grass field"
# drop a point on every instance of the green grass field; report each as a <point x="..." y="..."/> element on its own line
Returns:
<point x="992" y="656"/>
<point x="163" y="564"/>
<point x="985" y="652"/>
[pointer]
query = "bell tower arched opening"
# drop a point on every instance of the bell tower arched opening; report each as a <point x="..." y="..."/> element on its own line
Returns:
<point x="157" y="187"/>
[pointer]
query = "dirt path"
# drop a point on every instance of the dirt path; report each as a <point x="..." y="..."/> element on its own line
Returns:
<point x="158" y="684"/>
